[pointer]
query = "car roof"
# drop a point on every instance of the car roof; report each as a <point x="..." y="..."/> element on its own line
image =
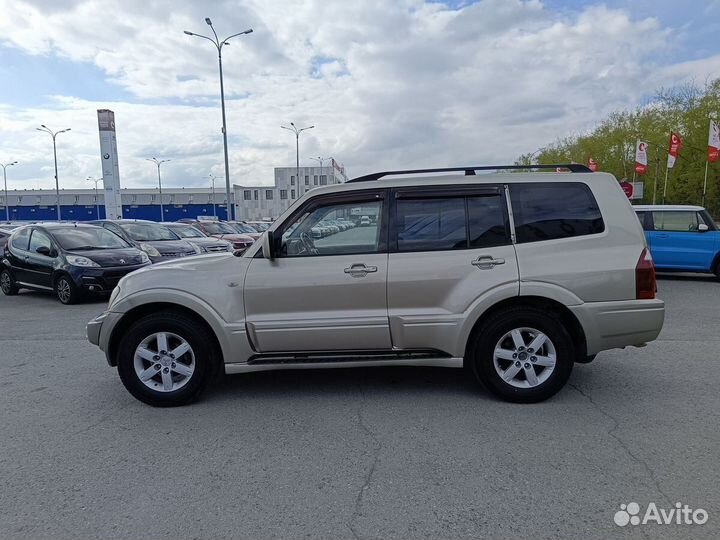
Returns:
<point x="56" y="226"/>
<point x="459" y="179"/>
<point x="671" y="207"/>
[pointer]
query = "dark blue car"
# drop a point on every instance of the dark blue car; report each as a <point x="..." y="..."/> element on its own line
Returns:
<point x="681" y="238"/>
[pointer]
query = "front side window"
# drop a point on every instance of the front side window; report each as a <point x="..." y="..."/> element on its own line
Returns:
<point x="676" y="221"/>
<point x="549" y="211"/>
<point x="314" y="233"/>
<point x="39" y="240"/>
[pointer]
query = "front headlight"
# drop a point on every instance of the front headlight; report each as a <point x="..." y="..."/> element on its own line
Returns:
<point x="144" y="258"/>
<point x="150" y="250"/>
<point x="78" y="260"/>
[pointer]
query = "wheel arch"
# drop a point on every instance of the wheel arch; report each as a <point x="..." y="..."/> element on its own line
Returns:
<point x="142" y="310"/>
<point x="569" y="320"/>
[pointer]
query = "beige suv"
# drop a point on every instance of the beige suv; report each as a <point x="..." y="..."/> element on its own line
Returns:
<point x="514" y="276"/>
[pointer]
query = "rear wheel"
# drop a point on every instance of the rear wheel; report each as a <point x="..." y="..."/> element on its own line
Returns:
<point x="165" y="359"/>
<point x="523" y="354"/>
<point x="66" y="290"/>
<point x="7" y="283"/>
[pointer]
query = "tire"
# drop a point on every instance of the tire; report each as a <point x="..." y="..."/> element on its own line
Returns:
<point x="511" y="377"/>
<point x="7" y="283"/>
<point x="66" y="291"/>
<point x="176" y="380"/>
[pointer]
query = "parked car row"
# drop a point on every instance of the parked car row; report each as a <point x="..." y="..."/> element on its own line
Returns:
<point x="74" y="259"/>
<point x="328" y="227"/>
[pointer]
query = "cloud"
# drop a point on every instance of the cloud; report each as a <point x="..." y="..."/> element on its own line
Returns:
<point x="388" y="84"/>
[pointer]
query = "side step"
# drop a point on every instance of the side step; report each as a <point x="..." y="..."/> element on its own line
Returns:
<point x="331" y="357"/>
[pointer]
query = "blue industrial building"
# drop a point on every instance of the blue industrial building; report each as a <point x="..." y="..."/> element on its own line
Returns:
<point x="84" y="205"/>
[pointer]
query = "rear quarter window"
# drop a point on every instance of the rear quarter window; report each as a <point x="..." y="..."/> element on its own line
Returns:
<point x="549" y="211"/>
<point x="21" y="239"/>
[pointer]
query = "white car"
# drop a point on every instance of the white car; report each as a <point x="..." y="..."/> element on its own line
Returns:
<point x="516" y="277"/>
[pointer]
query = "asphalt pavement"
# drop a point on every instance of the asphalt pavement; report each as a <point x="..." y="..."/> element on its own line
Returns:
<point x="366" y="453"/>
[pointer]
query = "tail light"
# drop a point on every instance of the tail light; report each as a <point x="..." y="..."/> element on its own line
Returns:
<point x="645" y="283"/>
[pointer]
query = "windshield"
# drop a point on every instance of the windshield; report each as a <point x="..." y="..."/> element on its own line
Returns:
<point x="261" y="227"/>
<point x="85" y="238"/>
<point x="243" y="228"/>
<point x="186" y="231"/>
<point x="148" y="232"/>
<point x="219" y="228"/>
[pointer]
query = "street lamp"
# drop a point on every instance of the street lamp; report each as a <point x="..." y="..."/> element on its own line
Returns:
<point x="297" y="131"/>
<point x="219" y="45"/>
<point x="7" y="204"/>
<point x="97" y="203"/>
<point x="159" y="162"/>
<point x="46" y="129"/>
<point x="212" y="178"/>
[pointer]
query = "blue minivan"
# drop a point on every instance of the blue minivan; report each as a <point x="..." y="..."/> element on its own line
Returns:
<point x="681" y="238"/>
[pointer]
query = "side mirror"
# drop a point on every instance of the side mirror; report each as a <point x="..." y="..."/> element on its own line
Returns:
<point x="267" y="245"/>
<point x="43" y="250"/>
<point x="702" y="228"/>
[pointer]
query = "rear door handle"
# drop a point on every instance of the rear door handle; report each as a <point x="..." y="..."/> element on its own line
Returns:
<point x="487" y="262"/>
<point x="360" y="270"/>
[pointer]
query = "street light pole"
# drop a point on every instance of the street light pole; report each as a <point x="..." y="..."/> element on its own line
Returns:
<point x="46" y="129"/>
<point x="219" y="45"/>
<point x="212" y="178"/>
<point x="7" y="203"/>
<point x="159" y="162"/>
<point x="97" y="203"/>
<point x="297" y="131"/>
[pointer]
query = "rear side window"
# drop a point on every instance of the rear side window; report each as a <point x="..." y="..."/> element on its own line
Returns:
<point x="548" y="211"/>
<point x="676" y="221"/>
<point x="430" y="223"/>
<point x="21" y="239"/>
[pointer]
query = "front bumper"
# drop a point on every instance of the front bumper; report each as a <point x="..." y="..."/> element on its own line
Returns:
<point x="102" y="280"/>
<point x="612" y="325"/>
<point x="99" y="331"/>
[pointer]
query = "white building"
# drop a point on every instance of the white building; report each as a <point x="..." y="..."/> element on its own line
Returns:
<point x="268" y="202"/>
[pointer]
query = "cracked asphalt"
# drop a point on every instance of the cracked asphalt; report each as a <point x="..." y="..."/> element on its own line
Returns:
<point x="367" y="453"/>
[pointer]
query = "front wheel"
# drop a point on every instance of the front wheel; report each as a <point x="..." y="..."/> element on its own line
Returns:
<point x="66" y="290"/>
<point x="523" y="354"/>
<point x="164" y="359"/>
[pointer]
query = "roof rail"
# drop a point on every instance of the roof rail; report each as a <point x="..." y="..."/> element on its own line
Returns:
<point x="470" y="171"/>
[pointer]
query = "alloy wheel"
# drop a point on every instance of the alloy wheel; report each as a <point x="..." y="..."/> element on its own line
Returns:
<point x="63" y="290"/>
<point x="524" y="357"/>
<point x="164" y="362"/>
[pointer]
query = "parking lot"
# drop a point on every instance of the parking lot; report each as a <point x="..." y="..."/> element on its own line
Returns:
<point x="369" y="453"/>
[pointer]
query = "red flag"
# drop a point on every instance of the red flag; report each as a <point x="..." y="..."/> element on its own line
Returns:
<point x="592" y="165"/>
<point x="673" y="149"/>
<point x="713" y="142"/>
<point x="640" y="157"/>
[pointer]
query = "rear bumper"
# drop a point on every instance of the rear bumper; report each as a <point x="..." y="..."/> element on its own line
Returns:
<point x="612" y="325"/>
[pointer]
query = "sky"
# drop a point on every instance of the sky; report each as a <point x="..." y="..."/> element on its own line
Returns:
<point x="401" y="84"/>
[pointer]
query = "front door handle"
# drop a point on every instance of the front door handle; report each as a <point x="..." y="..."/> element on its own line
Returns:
<point x="360" y="270"/>
<point x="487" y="262"/>
<point x="661" y="236"/>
